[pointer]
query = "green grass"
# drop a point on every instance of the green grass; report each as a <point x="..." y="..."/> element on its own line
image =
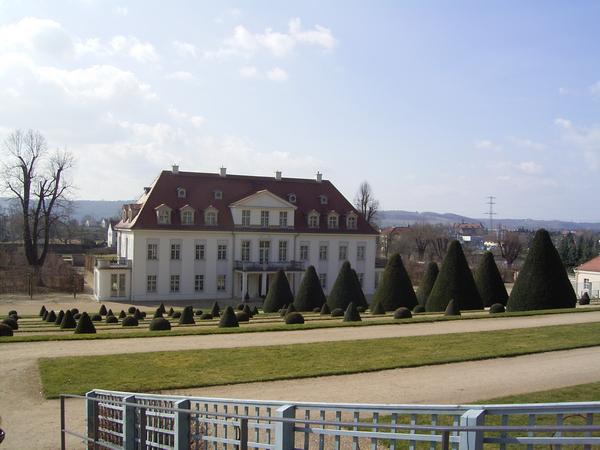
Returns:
<point x="589" y="392"/>
<point x="196" y="368"/>
<point x="275" y="325"/>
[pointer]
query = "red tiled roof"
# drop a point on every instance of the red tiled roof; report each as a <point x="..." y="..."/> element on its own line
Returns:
<point x="200" y="188"/>
<point x="593" y="265"/>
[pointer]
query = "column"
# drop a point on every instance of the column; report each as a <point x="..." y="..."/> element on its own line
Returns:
<point x="244" y="285"/>
<point x="263" y="283"/>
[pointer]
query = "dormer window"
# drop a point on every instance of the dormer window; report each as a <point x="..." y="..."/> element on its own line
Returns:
<point x="351" y="221"/>
<point x="292" y="198"/>
<point x="163" y="214"/>
<point x="187" y="215"/>
<point x="218" y="195"/>
<point x="313" y="220"/>
<point x="181" y="192"/>
<point x="124" y="215"/>
<point x="129" y="214"/>
<point x="332" y="220"/>
<point x="210" y="216"/>
<point x="323" y="199"/>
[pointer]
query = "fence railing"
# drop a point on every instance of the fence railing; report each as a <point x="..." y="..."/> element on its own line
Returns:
<point x="121" y="420"/>
<point x="268" y="266"/>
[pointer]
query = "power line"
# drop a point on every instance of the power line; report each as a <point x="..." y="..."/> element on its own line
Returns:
<point x="491" y="202"/>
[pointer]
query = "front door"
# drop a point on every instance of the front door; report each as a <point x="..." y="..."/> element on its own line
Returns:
<point x="263" y="290"/>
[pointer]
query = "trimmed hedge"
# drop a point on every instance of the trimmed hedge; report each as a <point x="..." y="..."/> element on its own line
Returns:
<point x="206" y="316"/>
<point x="426" y="283"/>
<point x="351" y="314"/>
<point x="402" y="313"/>
<point x="75" y="311"/>
<point x="158" y="313"/>
<point x="316" y="310"/>
<point x="102" y="310"/>
<point x="130" y="321"/>
<point x="395" y="288"/>
<point x="13" y="312"/>
<point x="240" y="306"/>
<point x="176" y="315"/>
<point x="110" y="313"/>
<point x="247" y="310"/>
<point x="131" y="309"/>
<point x="542" y="282"/>
<point x="171" y="311"/>
<point x="489" y="281"/>
<point x="198" y="312"/>
<point x="42" y="311"/>
<point x="159" y="324"/>
<point x="279" y="293"/>
<point x="310" y="293"/>
<point x="585" y="299"/>
<point x="5" y="330"/>
<point x="96" y="318"/>
<point x="452" y="309"/>
<point x="59" y="317"/>
<point x="122" y="314"/>
<point x="51" y="317"/>
<point x="294" y="318"/>
<point x="363" y="299"/>
<point x="228" y="320"/>
<point x="111" y="319"/>
<point x="68" y="321"/>
<point x="215" y="310"/>
<point x="455" y="281"/>
<point x="12" y="323"/>
<point x="419" y="309"/>
<point x="85" y="325"/>
<point x="497" y="308"/>
<point x="187" y="316"/>
<point x="377" y="309"/>
<point x="77" y="316"/>
<point x="325" y="311"/>
<point x="45" y="315"/>
<point x="162" y="309"/>
<point x="138" y="314"/>
<point x="255" y="310"/>
<point x="344" y="290"/>
<point x="242" y="316"/>
<point x="337" y="312"/>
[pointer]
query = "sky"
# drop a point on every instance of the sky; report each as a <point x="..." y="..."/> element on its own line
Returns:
<point x="436" y="104"/>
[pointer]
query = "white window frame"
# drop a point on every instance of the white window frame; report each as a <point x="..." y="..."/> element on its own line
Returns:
<point x="343" y="252"/>
<point x="323" y="252"/>
<point x="246" y="215"/>
<point x="313" y="220"/>
<point x="352" y="222"/>
<point x="333" y="221"/>
<point x="264" y="251"/>
<point x="211" y="217"/>
<point x="198" y="282"/>
<point x="221" y="283"/>
<point x="175" y="251"/>
<point x="151" y="283"/>
<point x="174" y="284"/>
<point x="200" y="252"/>
<point x="264" y="218"/>
<point x="222" y="252"/>
<point x="245" y="250"/>
<point x="361" y="251"/>
<point x="152" y="252"/>
<point x="283" y="219"/>
<point x="283" y="247"/>
<point x="187" y="217"/>
<point x="304" y="252"/>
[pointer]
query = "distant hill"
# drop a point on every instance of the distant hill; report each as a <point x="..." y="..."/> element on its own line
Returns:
<point x="97" y="209"/>
<point x="404" y="218"/>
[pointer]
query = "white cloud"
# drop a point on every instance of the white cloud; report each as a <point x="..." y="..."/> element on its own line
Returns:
<point x="41" y="37"/>
<point x="185" y="49"/>
<point x="121" y="11"/>
<point x="130" y="45"/>
<point x="249" y="72"/>
<point x="587" y="139"/>
<point x="195" y="121"/>
<point x="277" y="74"/>
<point x="526" y="143"/>
<point x="320" y="36"/>
<point x="486" y="144"/>
<point x="180" y="75"/>
<point x="529" y="167"/>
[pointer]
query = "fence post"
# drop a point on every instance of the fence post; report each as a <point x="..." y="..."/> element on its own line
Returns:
<point x="91" y="408"/>
<point x="182" y="426"/>
<point x="284" y="431"/>
<point x="471" y="440"/>
<point x="129" y="423"/>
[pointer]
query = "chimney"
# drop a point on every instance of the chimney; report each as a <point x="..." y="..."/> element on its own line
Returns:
<point x="223" y="171"/>
<point x="175" y="169"/>
<point x="319" y="177"/>
<point x="278" y="175"/>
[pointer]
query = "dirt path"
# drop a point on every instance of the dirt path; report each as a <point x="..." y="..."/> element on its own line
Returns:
<point x="22" y="406"/>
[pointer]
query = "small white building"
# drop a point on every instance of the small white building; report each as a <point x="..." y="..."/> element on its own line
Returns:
<point x="587" y="278"/>
<point x="209" y="236"/>
<point x="111" y="234"/>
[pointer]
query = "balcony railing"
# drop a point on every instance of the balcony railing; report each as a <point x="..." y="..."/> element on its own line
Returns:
<point x="269" y="266"/>
<point x="113" y="263"/>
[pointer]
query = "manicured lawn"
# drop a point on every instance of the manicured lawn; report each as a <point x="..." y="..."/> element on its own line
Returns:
<point x="589" y="392"/>
<point x="197" y="368"/>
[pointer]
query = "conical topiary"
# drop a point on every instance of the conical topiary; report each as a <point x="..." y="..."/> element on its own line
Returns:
<point x="325" y="311"/>
<point x="452" y="309"/>
<point x="455" y="281"/>
<point x="216" y="310"/>
<point x="395" y="288"/>
<point x="489" y="282"/>
<point x="110" y="313"/>
<point x="310" y="293"/>
<point x="157" y="313"/>
<point x="111" y="319"/>
<point x="45" y="315"/>
<point x="68" y="321"/>
<point x="59" y="317"/>
<point x="187" y="316"/>
<point x="427" y="282"/>
<point x="102" y="310"/>
<point x="279" y="293"/>
<point x="351" y="314"/>
<point x="171" y="311"/>
<point x="162" y="309"/>
<point x="542" y="282"/>
<point x="247" y="310"/>
<point x="51" y="317"/>
<point x="42" y="311"/>
<point x="377" y="309"/>
<point x="228" y="320"/>
<point x="122" y="314"/>
<point x="85" y="325"/>
<point x="254" y="310"/>
<point x="363" y="300"/>
<point x="138" y="314"/>
<point x="585" y="299"/>
<point x="344" y="289"/>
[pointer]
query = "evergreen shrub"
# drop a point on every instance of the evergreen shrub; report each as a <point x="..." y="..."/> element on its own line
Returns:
<point x="337" y="312"/>
<point x="187" y="316"/>
<point x="5" y="330"/>
<point x="310" y="293"/>
<point x="279" y="293"/>
<point x="12" y="323"/>
<point x="452" y="309"/>
<point x="497" y="308"/>
<point x="228" y="320"/>
<point x="68" y="321"/>
<point x="402" y="313"/>
<point x="130" y="321"/>
<point x="351" y="314"/>
<point x="395" y="288"/>
<point x="159" y="324"/>
<point x="85" y="325"/>
<point x="294" y="318"/>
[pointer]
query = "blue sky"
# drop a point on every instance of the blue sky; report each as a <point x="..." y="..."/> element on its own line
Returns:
<point x="436" y="104"/>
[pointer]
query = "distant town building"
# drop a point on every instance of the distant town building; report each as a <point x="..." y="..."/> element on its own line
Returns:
<point x="111" y="233"/>
<point x="587" y="278"/>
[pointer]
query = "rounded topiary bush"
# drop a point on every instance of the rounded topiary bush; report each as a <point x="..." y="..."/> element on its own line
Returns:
<point x="419" y="309"/>
<point x="241" y="316"/>
<point x="294" y="318"/>
<point x="42" y="311"/>
<point x="85" y="325"/>
<point x="316" y="310"/>
<point x="377" y="309"/>
<point x="497" y="308"/>
<point x="351" y="314"/>
<point x="130" y="321"/>
<point x="176" y="315"/>
<point x="279" y="293"/>
<point x="102" y="310"/>
<point x="143" y="314"/>
<point x="96" y="318"/>
<point x="138" y="314"/>
<point x="77" y="316"/>
<point x="361" y="309"/>
<point x="51" y="317"/>
<point x="74" y="310"/>
<point x="159" y="324"/>
<point x="452" y="309"/>
<point x="12" y="323"/>
<point x="402" y="313"/>
<point x="585" y="299"/>
<point x="187" y="316"/>
<point x="111" y="319"/>
<point x="5" y="330"/>
<point x="310" y="293"/>
<point x="240" y="306"/>
<point x="14" y="317"/>
<point x="198" y="312"/>
<point x="131" y="309"/>
<point x="171" y="312"/>
<point x="68" y="321"/>
<point x="59" y="317"/>
<point x="206" y="316"/>
<point x="228" y="319"/>
<point x="325" y="311"/>
<point x="13" y="312"/>
<point x="122" y="314"/>
<point x="337" y="312"/>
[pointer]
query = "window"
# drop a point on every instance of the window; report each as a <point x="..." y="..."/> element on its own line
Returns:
<point x="263" y="251"/>
<point x="283" y="216"/>
<point x="343" y="252"/>
<point x="152" y="251"/>
<point x="121" y="285"/>
<point x="210" y="218"/>
<point x="323" y="199"/>
<point x="199" y="252"/>
<point x="303" y="252"/>
<point x="187" y="217"/>
<point x="245" y="250"/>
<point x="181" y="192"/>
<point x="323" y="252"/>
<point x="151" y="283"/>
<point x="332" y="221"/>
<point x="360" y="253"/>
<point x="198" y="283"/>
<point x="245" y="217"/>
<point x="264" y="219"/>
<point x="164" y="216"/>
<point x="222" y="252"/>
<point x="174" y="286"/>
<point x="361" y="277"/>
<point x="114" y="285"/>
<point x="292" y="198"/>
<point x="218" y="195"/>
<point x="283" y="251"/>
<point x="313" y="220"/>
<point x="351" y="222"/>
<point x="220" y="282"/>
<point x="323" y="280"/>
<point x="175" y="251"/>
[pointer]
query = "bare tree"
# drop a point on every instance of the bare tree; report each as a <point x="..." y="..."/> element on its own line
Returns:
<point x="421" y="234"/>
<point x="439" y="245"/>
<point x="36" y="180"/>
<point x="366" y="203"/>
<point x="510" y="247"/>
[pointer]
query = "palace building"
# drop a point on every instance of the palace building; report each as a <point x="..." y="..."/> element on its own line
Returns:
<point x="210" y="236"/>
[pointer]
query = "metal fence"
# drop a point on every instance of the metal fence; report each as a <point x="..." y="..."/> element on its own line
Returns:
<point x="121" y="420"/>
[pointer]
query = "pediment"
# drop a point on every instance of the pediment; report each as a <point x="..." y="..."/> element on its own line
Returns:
<point x="263" y="199"/>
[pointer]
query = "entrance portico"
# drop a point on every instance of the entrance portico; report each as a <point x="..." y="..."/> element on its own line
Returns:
<point x="253" y="278"/>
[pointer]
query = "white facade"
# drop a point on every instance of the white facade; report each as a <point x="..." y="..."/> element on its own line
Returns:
<point x="587" y="281"/>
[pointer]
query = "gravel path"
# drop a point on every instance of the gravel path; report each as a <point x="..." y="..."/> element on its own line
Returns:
<point x="22" y="406"/>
